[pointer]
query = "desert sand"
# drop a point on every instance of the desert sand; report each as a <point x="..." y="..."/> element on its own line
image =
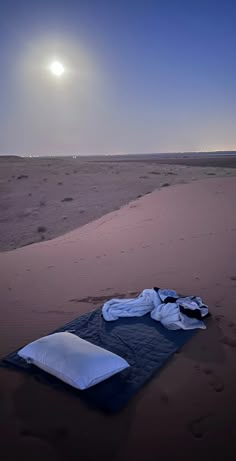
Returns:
<point x="181" y="237"/>
<point x="42" y="198"/>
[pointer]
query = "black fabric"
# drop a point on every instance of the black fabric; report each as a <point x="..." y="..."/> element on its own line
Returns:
<point x="191" y="313"/>
<point x="143" y="342"/>
<point x="170" y="299"/>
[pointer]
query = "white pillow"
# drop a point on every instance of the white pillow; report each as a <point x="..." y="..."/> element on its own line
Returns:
<point x="72" y="359"/>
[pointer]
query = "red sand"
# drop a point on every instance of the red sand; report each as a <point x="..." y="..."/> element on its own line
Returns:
<point x="182" y="237"/>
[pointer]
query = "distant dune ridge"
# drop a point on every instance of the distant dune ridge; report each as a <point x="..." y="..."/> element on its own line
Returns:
<point x="10" y="157"/>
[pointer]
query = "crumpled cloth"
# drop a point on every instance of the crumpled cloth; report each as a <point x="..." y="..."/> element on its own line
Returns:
<point x="163" y="305"/>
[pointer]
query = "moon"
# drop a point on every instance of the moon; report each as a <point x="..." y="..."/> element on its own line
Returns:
<point x="57" y="68"/>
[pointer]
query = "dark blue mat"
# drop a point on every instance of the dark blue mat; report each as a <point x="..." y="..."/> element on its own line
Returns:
<point x="143" y="342"/>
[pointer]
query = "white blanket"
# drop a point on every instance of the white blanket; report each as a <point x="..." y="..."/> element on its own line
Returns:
<point x="153" y="302"/>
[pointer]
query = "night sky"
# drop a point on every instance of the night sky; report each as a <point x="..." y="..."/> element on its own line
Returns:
<point x="140" y="76"/>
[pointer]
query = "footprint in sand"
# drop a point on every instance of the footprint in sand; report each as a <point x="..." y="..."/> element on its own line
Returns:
<point x="164" y="397"/>
<point x="196" y="426"/>
<point x="231" y="342"/>
<point x="219" y="318"/>
<point x="214" y="381"/>
<point x="233" y="328"/>
<point x="231" y="324"/>
<point x="217" y="305"/>
<point x="207" y="371"/>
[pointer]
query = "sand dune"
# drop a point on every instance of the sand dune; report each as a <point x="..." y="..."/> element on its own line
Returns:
<point x="181" y="237"/>
<point x="42" y="198"/>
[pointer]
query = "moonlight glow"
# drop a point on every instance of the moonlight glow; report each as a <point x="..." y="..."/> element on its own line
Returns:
<point x="57" y="68"/>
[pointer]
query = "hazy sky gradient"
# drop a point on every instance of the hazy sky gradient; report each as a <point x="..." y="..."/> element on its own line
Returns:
<point x="142" y="76"/>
